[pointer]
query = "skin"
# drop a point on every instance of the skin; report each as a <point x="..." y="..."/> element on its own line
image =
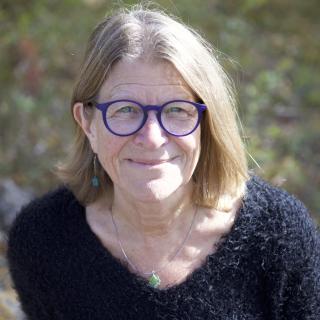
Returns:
<point x="152" y="177"/>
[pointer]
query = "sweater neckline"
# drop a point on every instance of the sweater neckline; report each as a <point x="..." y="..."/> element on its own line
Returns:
<point x="134" y="280"/>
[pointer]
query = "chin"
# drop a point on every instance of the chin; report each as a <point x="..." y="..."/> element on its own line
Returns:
<point x="155" y="191"/>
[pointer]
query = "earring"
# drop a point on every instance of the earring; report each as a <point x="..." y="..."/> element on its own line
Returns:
<point x="95" y="180"/>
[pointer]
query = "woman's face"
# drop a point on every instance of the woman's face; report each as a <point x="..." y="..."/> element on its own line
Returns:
<point x="151" y="164"/>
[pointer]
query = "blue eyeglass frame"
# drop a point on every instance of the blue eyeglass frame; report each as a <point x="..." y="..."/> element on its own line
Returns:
<point x="103" y="107"/>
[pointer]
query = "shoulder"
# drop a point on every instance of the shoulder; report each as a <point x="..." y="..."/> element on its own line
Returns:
<point x="44" y="208"/>
<point x="276" y="203"/>
<point x="282" y="221"/>
<point x="261" y="190"/>
<point x="37" y="222"/>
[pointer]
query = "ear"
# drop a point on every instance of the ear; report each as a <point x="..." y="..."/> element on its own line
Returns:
<point x="86" y="122"/>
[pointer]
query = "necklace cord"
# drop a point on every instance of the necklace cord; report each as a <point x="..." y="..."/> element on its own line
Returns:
<point x="170" y="260"/>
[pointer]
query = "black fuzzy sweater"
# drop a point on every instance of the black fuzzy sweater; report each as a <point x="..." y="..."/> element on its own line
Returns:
<point x="267" y="267"/>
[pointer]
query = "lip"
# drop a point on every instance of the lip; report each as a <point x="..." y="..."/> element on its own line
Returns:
<point x="150" y="162"/>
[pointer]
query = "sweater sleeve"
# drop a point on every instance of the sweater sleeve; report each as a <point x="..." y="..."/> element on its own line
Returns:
<point x="296" y="272"/>
<point x="25" y="266"/>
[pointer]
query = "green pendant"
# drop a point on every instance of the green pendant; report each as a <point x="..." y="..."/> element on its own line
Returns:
<point x="154" y="280"/>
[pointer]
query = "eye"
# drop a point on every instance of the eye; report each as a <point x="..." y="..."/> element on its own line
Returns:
<point x="124" y="110"/>
<point x="127" y="109"/>
<point x="174" y="109"/>
<point x="179" y="111"/>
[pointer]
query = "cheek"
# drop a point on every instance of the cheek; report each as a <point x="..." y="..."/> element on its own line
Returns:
<point x="109" y="147"/>
<point x="191" y="146"/>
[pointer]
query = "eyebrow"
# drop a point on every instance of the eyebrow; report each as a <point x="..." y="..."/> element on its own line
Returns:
<point x="183" y="94"/>
<point x="150" y="84"/>
<point x="137" y="99"/>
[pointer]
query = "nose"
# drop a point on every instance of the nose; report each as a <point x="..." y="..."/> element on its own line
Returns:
<point x="151" y="135"/>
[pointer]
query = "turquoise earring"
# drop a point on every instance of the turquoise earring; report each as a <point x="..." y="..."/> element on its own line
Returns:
<point x="95" y="180"/>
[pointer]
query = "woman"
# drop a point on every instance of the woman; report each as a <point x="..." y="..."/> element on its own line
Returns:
<point x="158" y="217"/>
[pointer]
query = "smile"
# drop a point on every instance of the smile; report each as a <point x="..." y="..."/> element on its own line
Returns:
<point x="155" y="162"/>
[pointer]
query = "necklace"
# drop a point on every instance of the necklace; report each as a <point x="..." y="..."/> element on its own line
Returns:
<point x="153" y="277"/>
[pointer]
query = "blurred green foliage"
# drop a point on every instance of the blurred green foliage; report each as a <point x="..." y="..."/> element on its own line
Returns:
<point x="270" y="49"/>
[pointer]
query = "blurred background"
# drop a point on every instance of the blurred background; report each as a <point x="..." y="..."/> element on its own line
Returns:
<point x="271" y="49"/>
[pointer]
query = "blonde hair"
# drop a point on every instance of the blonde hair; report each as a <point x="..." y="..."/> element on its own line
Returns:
<point x="139" y="32"/>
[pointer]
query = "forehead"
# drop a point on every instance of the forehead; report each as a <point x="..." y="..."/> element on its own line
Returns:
<point x="144" y="79"/>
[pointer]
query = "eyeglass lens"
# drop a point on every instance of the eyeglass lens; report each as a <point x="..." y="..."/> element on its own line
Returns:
<point x="178" y="118"/>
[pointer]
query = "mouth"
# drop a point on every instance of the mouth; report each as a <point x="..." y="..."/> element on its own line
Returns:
<point x="151" y="162"/>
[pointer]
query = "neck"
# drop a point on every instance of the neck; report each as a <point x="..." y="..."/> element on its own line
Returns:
<point x="156" y="219"/>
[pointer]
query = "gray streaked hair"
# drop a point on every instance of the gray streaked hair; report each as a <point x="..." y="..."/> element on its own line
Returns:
<point x="142" y="33"/>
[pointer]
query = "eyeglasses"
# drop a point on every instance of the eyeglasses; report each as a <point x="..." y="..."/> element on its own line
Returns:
<point x="126" y="117"/>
